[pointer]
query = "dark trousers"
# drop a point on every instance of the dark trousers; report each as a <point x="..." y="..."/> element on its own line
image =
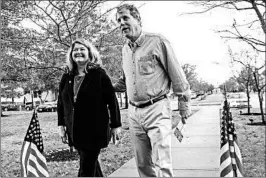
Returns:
<point x="89" y="164"/>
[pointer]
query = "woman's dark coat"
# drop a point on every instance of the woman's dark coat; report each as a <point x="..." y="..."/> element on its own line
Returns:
<point x="87" y="120"/>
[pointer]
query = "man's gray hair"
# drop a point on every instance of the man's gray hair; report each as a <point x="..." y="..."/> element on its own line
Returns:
<point x="132" y="9"/>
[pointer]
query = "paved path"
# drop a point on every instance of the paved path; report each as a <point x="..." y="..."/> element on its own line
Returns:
<point x="198" y="154"/>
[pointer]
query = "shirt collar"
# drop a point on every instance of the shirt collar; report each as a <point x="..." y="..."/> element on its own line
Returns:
<point x="139" y="41"/>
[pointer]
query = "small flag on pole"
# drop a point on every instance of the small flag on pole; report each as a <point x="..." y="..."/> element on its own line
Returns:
<point x="226" y="167"/>
<point x="230" y="158"/>
<point x="234" y="149"/>
<point x="33" y="163"/>
<point x="179" y="129"/>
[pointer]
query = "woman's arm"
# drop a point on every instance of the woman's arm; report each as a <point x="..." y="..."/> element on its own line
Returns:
<point x="111" y="100"/>
<point x="60" y="108"/>
<point x="60" y="112"/>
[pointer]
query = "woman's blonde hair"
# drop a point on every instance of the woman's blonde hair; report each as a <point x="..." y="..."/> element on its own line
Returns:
<point x="94" y="56"/>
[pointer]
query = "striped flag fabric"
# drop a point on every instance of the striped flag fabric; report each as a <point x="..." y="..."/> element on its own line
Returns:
<point x="226" y="167"/>
<point x="234" y="149"/>
<point x="33" y="163"/>
<point x="230" y="156"/>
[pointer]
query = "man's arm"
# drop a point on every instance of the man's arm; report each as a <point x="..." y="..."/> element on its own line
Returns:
<point x="181" y="87"/>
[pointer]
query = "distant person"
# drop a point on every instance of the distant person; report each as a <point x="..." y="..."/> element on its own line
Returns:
<point x="150" y="67"/>
<point x="88" y="111"/>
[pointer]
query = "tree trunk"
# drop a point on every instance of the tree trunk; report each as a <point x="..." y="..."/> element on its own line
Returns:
<point x="40" y="96"/>
<point x="248" y="103"/>
<point x="126" y="101"/>
<point x="56" y="94"/>
<point x="248" y="97"/>
<point x="260" y="16"/>
<point x="120" y="98"/>
<point x="45" y="97"/>
<point x="32" y="99"/>
<point x="261" y="108"/>
<point x="260" y="97"/>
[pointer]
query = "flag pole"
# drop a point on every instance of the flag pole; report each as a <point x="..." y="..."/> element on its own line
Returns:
<point x="32" y="160"/>
<point x="226" y="167"/>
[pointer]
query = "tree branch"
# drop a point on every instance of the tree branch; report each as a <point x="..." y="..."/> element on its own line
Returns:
<point x="45" y="68"/>
<point x="263" y="24"/>
<point x="57" y="24"/>
<point x="95" y="20"/>
<point x="46" y="13"/>
<point x="83" y="13"/>
<point x="212" y="6"/>
<point x="64" y="20"/>
<point x="251" y="41"/>
<point x="240" y="9"/>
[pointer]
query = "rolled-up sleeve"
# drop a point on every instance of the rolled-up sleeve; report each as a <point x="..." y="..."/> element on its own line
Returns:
<point x="180" y="85"/>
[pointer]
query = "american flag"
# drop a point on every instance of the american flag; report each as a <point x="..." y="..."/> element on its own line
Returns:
<point x="234" y="149"/>
<point x="33" y="163"/>
<point x="230" y="158"/>
<point x="226" y="167"/>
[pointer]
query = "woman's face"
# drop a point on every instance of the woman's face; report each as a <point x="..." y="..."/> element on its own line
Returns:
<point x="80" y="54"/>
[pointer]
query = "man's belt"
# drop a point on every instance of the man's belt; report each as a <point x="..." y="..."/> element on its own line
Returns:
<point x="150" y="102"/>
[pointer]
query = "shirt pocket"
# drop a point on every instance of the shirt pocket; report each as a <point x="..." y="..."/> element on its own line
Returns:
<point x="146" y="65"/>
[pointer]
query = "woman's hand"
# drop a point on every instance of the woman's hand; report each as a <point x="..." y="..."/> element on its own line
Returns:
<point x="63" y="135"/>
<point x="115" y="134"/>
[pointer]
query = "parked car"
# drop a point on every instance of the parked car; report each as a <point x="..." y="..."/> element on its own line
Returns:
<point x="238" y="100"/>
<point x="200" y="93"/>
<point x="28" y="105"/>
<point x="8" y="106"/>
<point x="193" y="95"/>
<point x="47" y="107"/>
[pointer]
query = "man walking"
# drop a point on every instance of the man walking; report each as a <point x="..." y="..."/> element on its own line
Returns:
<point x="150" y="68"/>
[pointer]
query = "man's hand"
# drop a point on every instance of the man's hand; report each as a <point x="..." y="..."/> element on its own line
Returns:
<point x="185" y="115"/>
<point x="175" y="120"/>
<point x="115" y="134"/>
<point x="63" y="135"/>
<point x="183" y="119"/>
<point x="184" y="108"/>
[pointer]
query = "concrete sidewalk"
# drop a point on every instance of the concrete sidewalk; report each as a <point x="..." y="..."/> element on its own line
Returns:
<point x="198" y="155"/>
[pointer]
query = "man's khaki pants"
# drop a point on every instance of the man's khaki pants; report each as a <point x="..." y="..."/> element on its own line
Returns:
<point x="150" y="130"/>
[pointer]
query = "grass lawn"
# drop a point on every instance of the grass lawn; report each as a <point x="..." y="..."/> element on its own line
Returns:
<point x="60" y="162"/>
<point x="251" y="140"/>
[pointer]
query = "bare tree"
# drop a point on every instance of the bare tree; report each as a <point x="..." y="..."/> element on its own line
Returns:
<point x="191" y="74"/>
<point x="245" y="78"/>
<point x="253" y="64"/>
<point x="38" y="55"/>
<point x="240" y="30"/>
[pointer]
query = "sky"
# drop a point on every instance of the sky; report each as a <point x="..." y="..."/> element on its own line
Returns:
<point x="192" y="36"/>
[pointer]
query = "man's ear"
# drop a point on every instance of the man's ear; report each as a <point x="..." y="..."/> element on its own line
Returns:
<point x="139" y="20"/>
